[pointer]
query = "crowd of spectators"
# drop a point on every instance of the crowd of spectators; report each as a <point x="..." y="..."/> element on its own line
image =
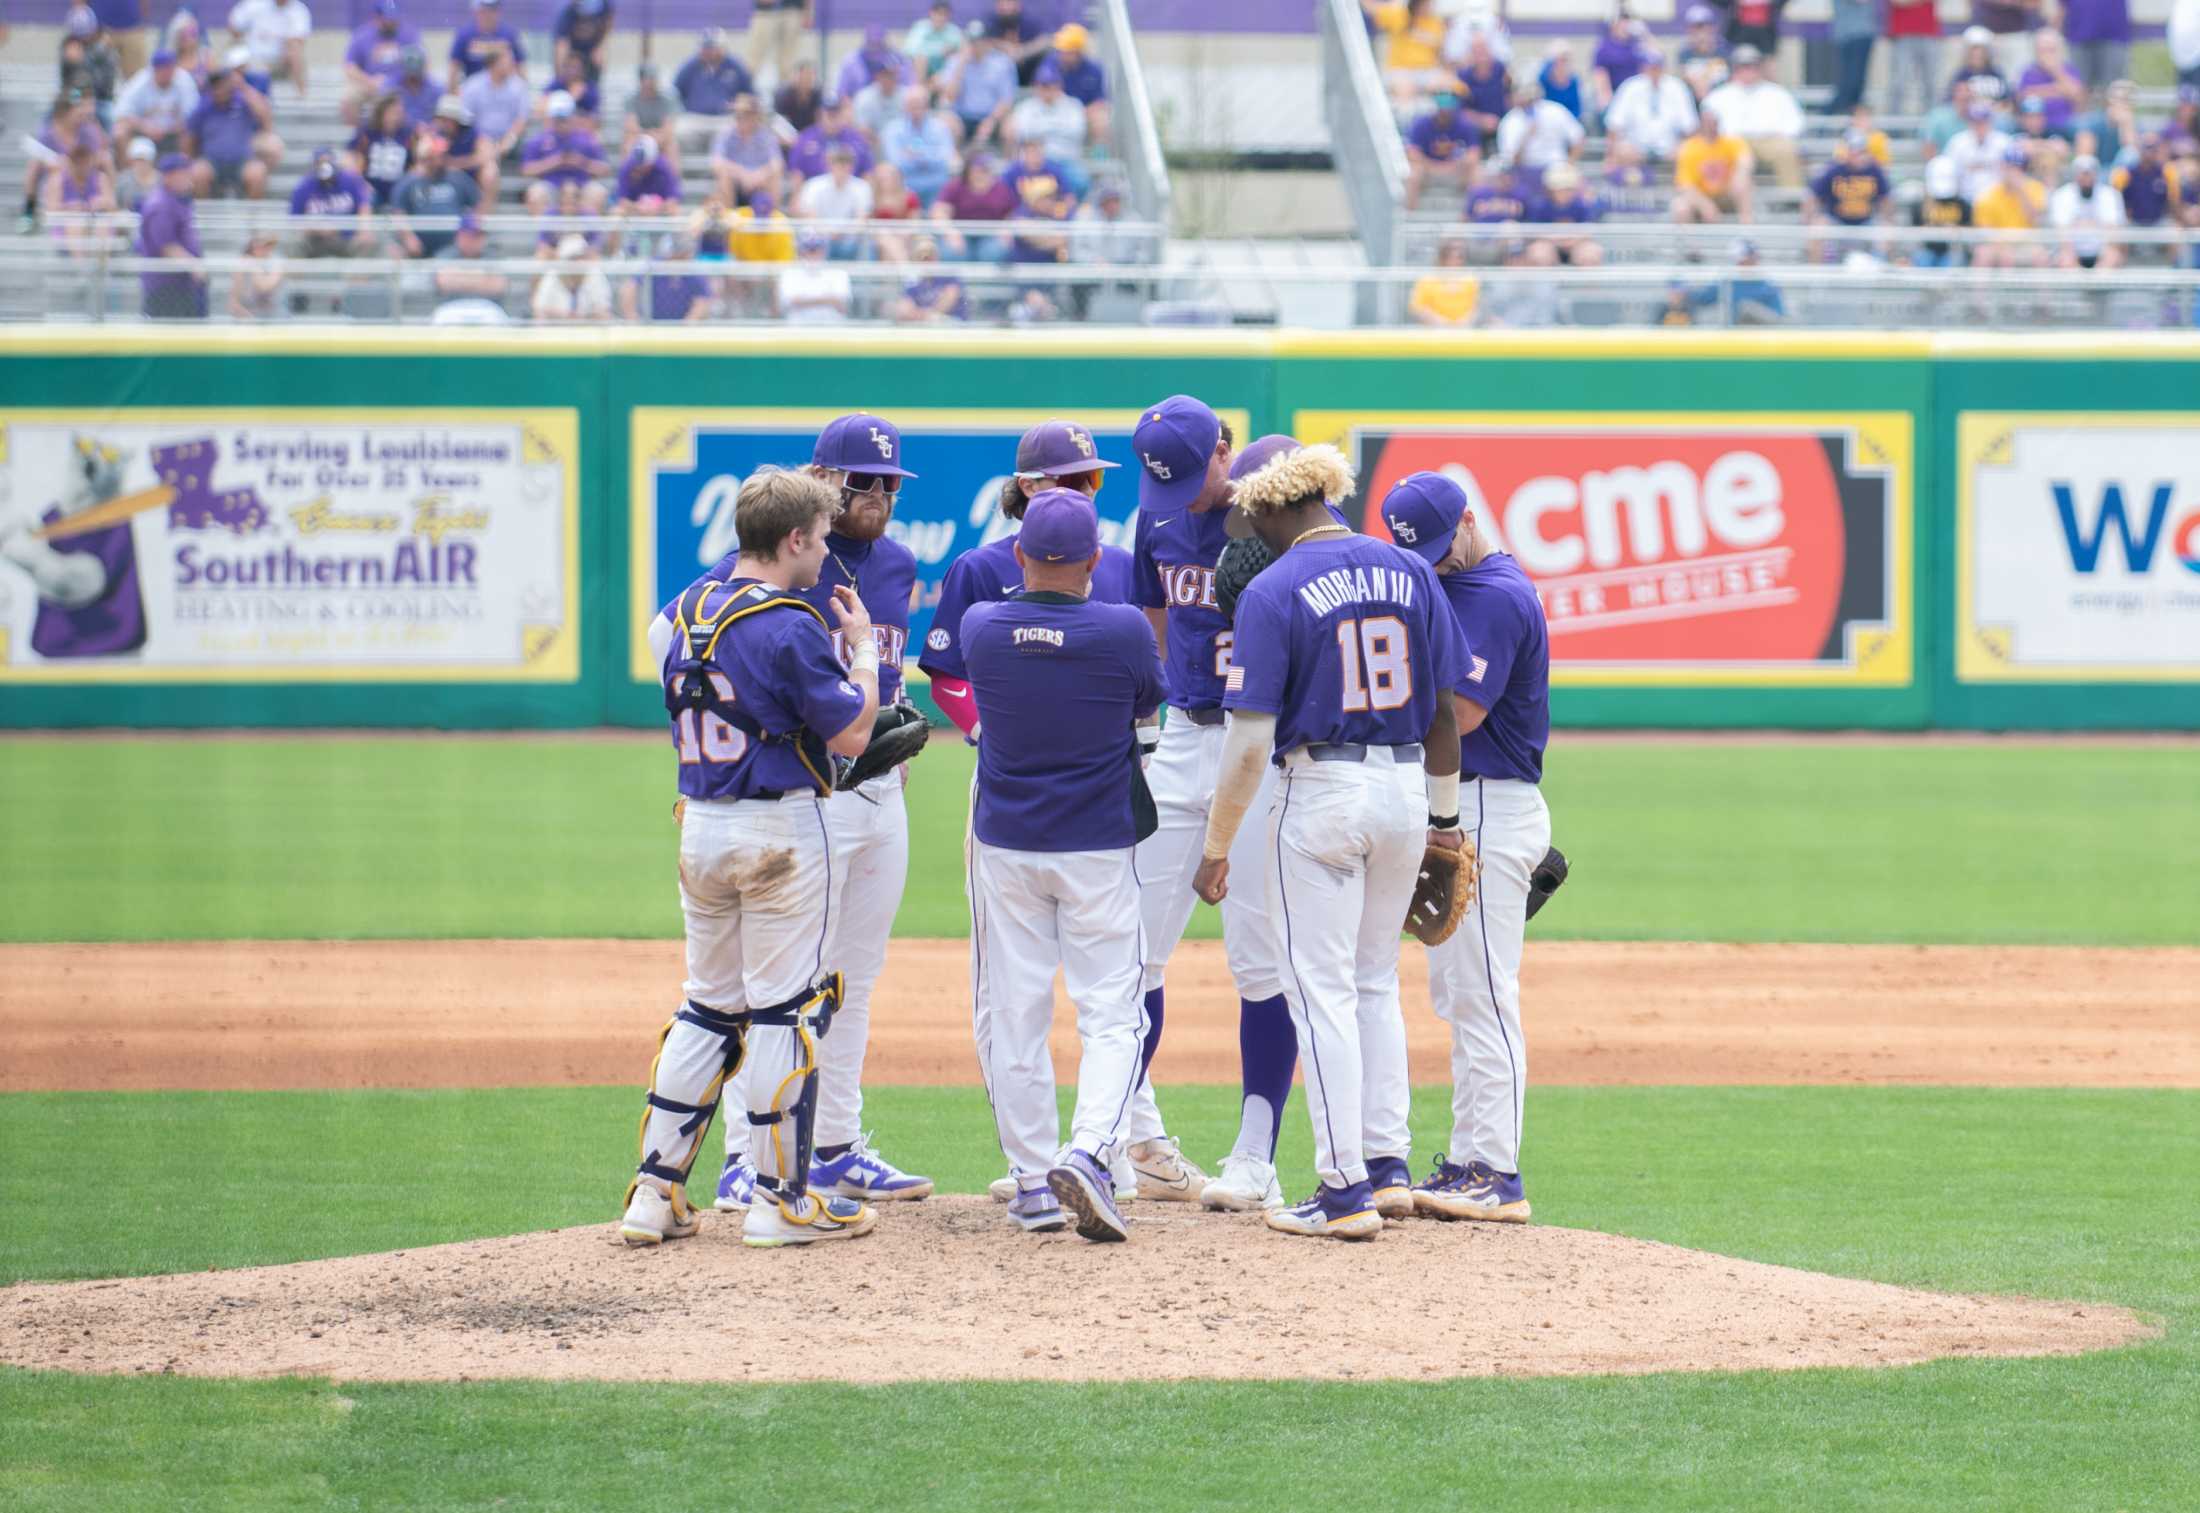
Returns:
<point x="888" y="153"/>
<point x="2018" y="127"/>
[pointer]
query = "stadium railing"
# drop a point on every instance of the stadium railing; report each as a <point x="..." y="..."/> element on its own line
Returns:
<point x="1370" y="156"/>
<point x="1137" y="135"/>
<point x="103" y="287"/>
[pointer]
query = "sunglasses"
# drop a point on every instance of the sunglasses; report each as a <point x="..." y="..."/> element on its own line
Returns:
<point x="864" y="483"/>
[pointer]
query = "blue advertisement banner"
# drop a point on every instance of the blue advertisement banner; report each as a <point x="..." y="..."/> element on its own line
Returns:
<point x="689" y="464"/>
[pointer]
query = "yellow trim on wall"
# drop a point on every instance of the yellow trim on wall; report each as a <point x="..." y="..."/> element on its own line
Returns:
<point x="553" y="652"/>
<point x="1984" y="437"/>
<point x="1880" y="655"/>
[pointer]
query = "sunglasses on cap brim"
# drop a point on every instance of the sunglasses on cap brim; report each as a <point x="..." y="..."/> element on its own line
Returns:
<point x="1098" y="476"/>
<point x="864" y="483"/>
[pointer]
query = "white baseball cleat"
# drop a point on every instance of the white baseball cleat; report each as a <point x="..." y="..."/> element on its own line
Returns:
<point x="1003" y="1189"/>
<point x="818" y="1216"/>
<point x="1124" y="1176"/>
<point x="653" y="1218"/>
<point x="1162" y="1172"/>
<point x="1247" y="1184"/>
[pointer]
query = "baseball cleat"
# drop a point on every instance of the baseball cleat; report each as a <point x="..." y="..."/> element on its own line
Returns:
<point x="736" y="1186"/>
<point x="1444" y="1178"/>
<point x="816" y="1216"/>
<point x="1492" y="1196"/>
<point x="1124" y="1175"/>
<point x="1038" y="1211"/>
<point x="863" y="1173"/>
<point x="653" y="1218"/>
<point x="1247" y="1183"/>
<point x="1081" y="1185"/>
<point x="1393" y="1184"/>
<point x="1163" y="1173"/>
<point x="1003" y="1189"/>
<point x="1336" y="1213"/>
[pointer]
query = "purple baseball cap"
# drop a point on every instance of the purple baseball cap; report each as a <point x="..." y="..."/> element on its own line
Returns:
<point x="1258" y="454"/>
<point x="1174" y="441"/>
<point x="1057" y="449"/>
<point x="175" y="162"/>
<point x="860" y="443"/>
<point x="1701" y="15"/>
<point x="1422" y="511"/>
<point x="1048" y="73"/>
<point x="1978" y="110"/>
<point x="163" y="57"/>
<point x="2015" y="155"/>
<point x="1060" y="525"/>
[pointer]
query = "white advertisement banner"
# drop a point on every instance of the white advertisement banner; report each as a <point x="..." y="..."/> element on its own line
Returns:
<point x="2078" y="548"/>
<point x="289" y="546"/>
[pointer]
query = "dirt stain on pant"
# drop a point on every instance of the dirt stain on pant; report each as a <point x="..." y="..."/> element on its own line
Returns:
<point x="767" y="878"/>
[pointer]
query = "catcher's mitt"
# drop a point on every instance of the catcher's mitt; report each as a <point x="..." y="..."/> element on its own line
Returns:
<point x="898" y="734"/>
<point x="1240" y="563"/>
<point x="1442" y="892"/>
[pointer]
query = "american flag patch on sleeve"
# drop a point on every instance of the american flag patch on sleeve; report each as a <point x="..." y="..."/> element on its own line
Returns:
<point x="1235" y="682"/>
<point x="1480" y="665"/>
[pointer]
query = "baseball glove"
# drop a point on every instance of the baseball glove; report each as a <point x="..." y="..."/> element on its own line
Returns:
<point x="898" y="735"/>
<point x="1544" y="880"/>
<point x="1442" y="892"/>
<point x="1240" y="563"/>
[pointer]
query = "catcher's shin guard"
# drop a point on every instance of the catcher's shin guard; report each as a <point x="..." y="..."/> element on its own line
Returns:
<point x="809" y="1016"/>
<point x="699" y="1049"/>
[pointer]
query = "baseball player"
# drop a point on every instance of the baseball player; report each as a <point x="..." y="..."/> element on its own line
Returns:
<point x="1056" y="453"/>
<point x="757" y="698"/>
<point x="1344" y="656"/>
<point x="860" y="457"/>
<point x="1504" y="716"/>
<point x="1184" y="496"/>
<point x="1060" y="680"/>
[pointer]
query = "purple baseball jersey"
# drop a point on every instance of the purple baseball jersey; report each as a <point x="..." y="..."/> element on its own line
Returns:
<point x="780" y="688"/>
<point x="1344" y="639"/>
<point x="988" y="574"/>
<point x="1059" y="682"/>
<point x="1505" y="667"/>
<point x="881" y="572"/>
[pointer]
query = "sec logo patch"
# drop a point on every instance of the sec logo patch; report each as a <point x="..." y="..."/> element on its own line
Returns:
<point x="938" y="640"/>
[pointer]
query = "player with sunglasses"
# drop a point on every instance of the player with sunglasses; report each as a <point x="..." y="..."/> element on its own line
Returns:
<point x="868" y="826"/>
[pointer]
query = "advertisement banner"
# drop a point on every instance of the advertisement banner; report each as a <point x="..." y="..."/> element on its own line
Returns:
<point x="1679" y="549"/>
<point x="340" y="545"/>
<point x="2077" y="548"/>
<point x="689" y="464"/>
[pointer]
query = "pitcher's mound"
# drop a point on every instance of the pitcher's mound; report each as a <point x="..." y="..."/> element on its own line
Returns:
<point x="949" y="1288"/>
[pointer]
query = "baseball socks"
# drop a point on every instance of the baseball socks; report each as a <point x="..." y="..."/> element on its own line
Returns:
<point x="1268" y="1050"/>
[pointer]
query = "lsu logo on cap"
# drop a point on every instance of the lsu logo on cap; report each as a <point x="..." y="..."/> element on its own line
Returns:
<point x="1404" y="531"/>
<point x="1154" y="466"/>
<point x="1082" y="442"/>
<point x="883" y="442"/>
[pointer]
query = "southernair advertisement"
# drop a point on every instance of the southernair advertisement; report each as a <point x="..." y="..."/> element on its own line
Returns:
<point x="289" y="546"/>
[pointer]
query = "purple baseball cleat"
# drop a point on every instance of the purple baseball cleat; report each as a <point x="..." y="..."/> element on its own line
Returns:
<point x="1393" y="1185"/>
<point x="1084" y="1188"/>
<point x="861" y="1172"/>
<point x="1037" y="1210"/>
<point x="1479" y="1192"/>
<point x="1336" y="1213"/>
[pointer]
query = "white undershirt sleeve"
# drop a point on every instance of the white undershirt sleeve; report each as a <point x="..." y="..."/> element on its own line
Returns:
<point x="1245" y="746"/>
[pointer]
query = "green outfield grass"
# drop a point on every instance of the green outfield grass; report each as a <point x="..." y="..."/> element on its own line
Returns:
<point x="556" y="836"/>
<point x="2067" y="1194"/>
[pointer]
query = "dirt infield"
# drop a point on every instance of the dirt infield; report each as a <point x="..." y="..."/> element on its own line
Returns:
<point x="505" y="1013"/>
<point x="948" y="1289"/>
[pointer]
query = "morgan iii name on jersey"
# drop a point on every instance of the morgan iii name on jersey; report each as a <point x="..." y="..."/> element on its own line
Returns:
<point x="1344" y="639"/>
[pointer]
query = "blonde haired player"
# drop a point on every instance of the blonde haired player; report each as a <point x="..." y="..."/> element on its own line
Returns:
<point x="1341" y="671"/>
<point x="757" y="699"/>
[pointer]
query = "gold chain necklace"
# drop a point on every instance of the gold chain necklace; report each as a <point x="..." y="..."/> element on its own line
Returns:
<point x="1320" y="530"/>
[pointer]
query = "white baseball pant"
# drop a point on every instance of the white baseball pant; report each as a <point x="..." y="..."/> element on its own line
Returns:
<point x="1474" y="977"/>
<point x="1182" y="778"/>
<point x="870" y="840"/>
<point x="1034" y="911"/>
<point x="1345" y="841"/>
<point x="758" y="889"/>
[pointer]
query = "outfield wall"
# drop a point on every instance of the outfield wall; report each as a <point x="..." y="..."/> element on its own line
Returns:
<point x="470" y="528"/>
